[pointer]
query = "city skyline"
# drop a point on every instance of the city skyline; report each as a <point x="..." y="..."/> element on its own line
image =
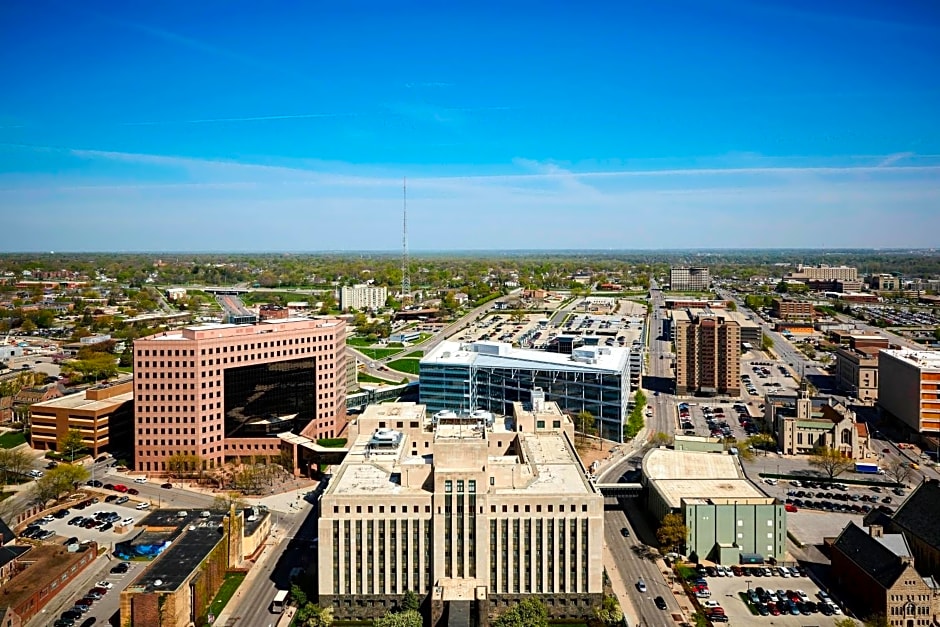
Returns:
<point x="714" y="126"/>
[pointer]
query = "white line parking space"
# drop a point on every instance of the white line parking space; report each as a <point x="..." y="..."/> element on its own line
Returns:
<point x="776" y="600"/>
<point x="95" y="524"/>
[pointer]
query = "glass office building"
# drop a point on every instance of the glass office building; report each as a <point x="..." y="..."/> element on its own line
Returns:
<point x="493" y="375"/>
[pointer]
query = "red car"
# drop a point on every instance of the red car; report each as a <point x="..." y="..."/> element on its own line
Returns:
<point x="120" y="488"/>
<point x="790" y="507"/>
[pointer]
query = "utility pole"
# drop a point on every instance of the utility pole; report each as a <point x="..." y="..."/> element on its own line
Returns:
<point x="405" y="276"/>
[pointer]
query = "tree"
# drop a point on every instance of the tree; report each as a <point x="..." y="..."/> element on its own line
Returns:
<point x="898" y="470"/>
<point x="71" y="443"/>
<point x="55" y="482"/>
<point x="845" y="621"/>
<point x="672" y="532"/>
<point x="13" y="462"/>
<point x="311" y="615"/>
<point x="586" y="424"/>
<point x="661" y="439"/>
<point x="225" y="501"/>
<point x="732" y="306"/>
<point x="766" y="342"/>
<point x="609" y="611"/>
<point x="529" y="612"/>
<point x="298" y="595"/>
<point x="831" y="461"/>
<point x="181" y="465"/>
<point x="408" y="618"/>
<point x="410" y="602"/>
<point x="876" y="620"/>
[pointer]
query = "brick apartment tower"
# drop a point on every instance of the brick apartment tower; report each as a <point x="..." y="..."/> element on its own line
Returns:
<point x="708" y="354"/>
<point x="226" y="390"/>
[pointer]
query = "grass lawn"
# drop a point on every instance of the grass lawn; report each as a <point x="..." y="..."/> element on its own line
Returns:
<point x="359" y="341"/>
<point x="12" y="439"/>
<point x="379" y="353"/>
<point x="410" y="366"/>
<point x="229" y="586"/>
<point x="415" y="354"/>
<point x="368" y="378"/>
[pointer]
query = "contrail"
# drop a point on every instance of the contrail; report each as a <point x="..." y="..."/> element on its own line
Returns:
<point x="256" y="118"/>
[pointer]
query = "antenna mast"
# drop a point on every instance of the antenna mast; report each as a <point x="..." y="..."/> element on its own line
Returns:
<point x="405" y="278"/>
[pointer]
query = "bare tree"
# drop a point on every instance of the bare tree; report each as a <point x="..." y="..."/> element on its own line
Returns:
<point x="831" y="461"/>
<point x="898" y="470"/>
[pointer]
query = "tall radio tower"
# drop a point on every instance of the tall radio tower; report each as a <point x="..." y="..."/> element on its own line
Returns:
<point x="405" y="278"/>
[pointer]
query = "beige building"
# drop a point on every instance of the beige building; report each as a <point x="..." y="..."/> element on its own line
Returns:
<point x="228" y="390"/>
<point x="104" y="415"/>
<point x="801" y="424"/>
<point x="824" y="273"/>
<point x="708" y="353"/>
<point x="884" y="283"/>
<point x="689" y="279"/>
<point x="909" y="387"/>
<point x="467" y="508"/>
<point x="857" y="371"/>
<point x="725" y="514"/>
<point x="362" y="297"/>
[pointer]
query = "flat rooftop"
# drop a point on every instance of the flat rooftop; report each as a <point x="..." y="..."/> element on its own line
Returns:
<point x="79" y="402"/>
<point x="178" y="562"/>
<point x="45" y="562"/>
<point x="613" y="359"/>
<point x="663" y="463"/>
<point x="548" y="459"/>
<point x="699" y="478"/>
<point x="199" y="331"/>
<point x="924" y="360"/>
<point x="714" y="491"/>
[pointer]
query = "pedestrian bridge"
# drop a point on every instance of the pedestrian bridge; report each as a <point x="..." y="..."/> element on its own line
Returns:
<point x="620" y="490"/>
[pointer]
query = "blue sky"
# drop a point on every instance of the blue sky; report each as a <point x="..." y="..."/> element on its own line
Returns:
<point x="273" y="126"/>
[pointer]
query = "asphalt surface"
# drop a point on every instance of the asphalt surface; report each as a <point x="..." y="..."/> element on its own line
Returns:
<point x="292" y="544"/>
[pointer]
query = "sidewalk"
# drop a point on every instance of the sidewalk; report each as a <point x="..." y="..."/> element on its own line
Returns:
<point x="619" y="587"/>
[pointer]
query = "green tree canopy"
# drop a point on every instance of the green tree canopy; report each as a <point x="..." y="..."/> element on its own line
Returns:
<point x="529" y="612"/>
<point x="672" y="532"/>
<point x="609" y="611"/>
<point x="410" y="602"/>
<point x="71" y="443"/>
<point x="61" y="479"/>
<point x="407" y="618"/>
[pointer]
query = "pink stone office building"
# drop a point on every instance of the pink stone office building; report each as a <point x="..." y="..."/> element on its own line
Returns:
<point x="220" y="391"/>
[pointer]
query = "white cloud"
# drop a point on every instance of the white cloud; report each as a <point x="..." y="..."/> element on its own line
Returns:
<point x="291" y="206"/>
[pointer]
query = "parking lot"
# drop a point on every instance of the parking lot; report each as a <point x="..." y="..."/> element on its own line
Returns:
<point x="760" y="377"/>
<point x="103" y="536"/>
<point x="720" y="420"/>
<point x="823" y="511"/>
<point x="730" y="593"/>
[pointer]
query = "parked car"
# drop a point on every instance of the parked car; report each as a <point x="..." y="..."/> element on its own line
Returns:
<point x="660" y="603"/>
<point x="120" y="568"/>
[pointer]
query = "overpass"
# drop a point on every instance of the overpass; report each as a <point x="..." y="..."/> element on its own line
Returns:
<point x="360" y="400"/>
<point x="620" y="490"/>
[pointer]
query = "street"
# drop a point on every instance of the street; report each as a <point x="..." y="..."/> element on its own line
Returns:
<point x="292" y="544"/>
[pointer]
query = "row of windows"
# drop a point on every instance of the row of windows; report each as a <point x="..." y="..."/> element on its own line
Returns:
<point x="393" y="509"/>
<point x="361" y="567"/>
<point x="178" y="442"/>
<point x="225" y="349"/>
